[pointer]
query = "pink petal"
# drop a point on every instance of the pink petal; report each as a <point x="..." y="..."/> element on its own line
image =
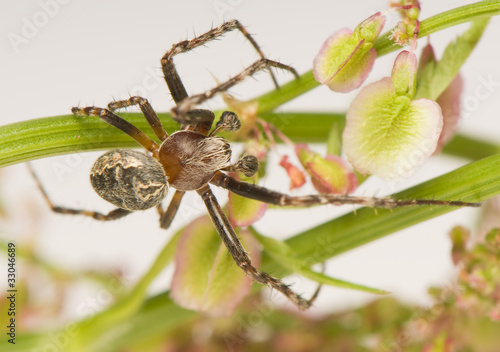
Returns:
<point x="404" y="74"/>
<point x="296" y="176"/>
<point x="449" y="101"/>
<point x="328" y="175"/>
<point x="347" y="74"/>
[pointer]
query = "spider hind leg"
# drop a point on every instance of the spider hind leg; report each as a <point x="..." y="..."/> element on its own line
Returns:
<point x="239" y="254"/>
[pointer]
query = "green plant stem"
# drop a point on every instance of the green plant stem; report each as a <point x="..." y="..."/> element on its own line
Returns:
<point x="442" y="21"/>
<point x="58" y="135"/>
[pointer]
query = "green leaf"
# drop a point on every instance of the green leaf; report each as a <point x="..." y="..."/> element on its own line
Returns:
<point x="334" y="140"/>
<point x="436" y="77"/>
<point x="443" y="20"/>
<point x="244" y="211"/>
<point x="205" y="277"/>
<point x="283" y="254"/>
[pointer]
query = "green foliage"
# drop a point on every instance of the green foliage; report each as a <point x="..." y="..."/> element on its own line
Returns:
<point x="436" y="77"/>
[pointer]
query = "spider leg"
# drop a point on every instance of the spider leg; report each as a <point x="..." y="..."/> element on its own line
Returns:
<point x="116" y="121"/>
<point x="263" y="194"/>
<point x="167" y="216"/>
<point x="189" y="102"/>
<point x="239" y="254"/>
<point x="146" y="109"/>
<point x="170" y="73"/>
<point x="112" y="215"/>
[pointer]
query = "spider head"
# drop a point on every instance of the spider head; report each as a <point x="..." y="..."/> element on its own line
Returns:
<point x="190" y="159"/>
<point x="129" y="179"/>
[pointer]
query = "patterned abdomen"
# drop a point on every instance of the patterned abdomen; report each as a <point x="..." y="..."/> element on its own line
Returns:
<point x="129" y="179"/>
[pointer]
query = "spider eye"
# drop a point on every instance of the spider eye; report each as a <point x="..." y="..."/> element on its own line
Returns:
<point x="129" y="179"/>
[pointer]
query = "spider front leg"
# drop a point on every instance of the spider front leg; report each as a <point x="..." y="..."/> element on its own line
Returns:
<point x="170" y="73"/>
<point x="187" y="104"/>
<point x="146" y="109"/>
<point x="112" y="215"/>
<point x="239" y="254"/>
<point x="123" y="125"/>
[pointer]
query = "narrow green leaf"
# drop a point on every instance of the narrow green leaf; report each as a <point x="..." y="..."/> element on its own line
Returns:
<point x="328" y="280"/>
<point x="436" y="77"/>
<point x="286" y="257"/>
<point x="334" y="140"/>
<point x="474" y="182"/>
<point x="50" y="136"/>
<point x="443" y="20"/>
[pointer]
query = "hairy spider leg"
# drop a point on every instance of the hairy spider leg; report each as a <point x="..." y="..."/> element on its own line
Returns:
<point x="147" y="111"/>
<point x="112" y="215"/>
<point x="123" y="125"/>
<point x="183" y="107"/>
<point x="172" y="77"/>
<point x="249" y="190"/>
<point x="239" y="254"/>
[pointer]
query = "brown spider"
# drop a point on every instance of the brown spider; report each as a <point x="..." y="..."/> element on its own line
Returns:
<point x="193" y="157"/>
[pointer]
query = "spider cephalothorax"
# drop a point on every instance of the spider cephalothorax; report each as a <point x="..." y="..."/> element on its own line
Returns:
<point x="193" y="158"/>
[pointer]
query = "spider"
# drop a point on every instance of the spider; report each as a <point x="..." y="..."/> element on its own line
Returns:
<point x="193" y="158"/>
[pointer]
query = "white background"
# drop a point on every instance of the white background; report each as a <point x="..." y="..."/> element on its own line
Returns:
<point x="89" y="52"/>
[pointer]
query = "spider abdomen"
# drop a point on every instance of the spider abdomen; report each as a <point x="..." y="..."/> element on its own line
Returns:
<point x="129" y="179"/>
<point x="190" y="159"/>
